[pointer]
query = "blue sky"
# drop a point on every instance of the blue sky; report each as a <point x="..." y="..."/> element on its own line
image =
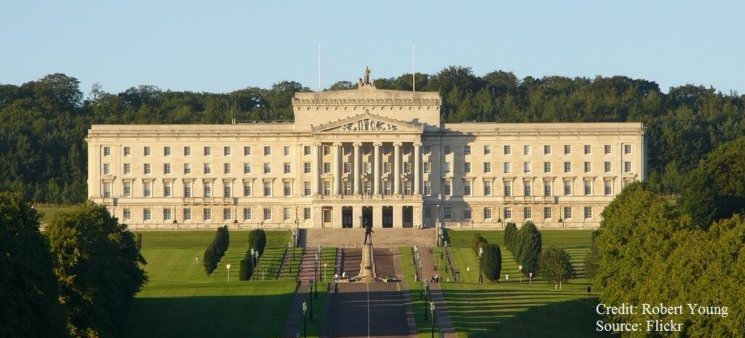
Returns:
<point x="220" y="46"/>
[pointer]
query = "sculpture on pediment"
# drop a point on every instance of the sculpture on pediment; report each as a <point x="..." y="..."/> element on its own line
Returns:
<point x="365" y="79"/>
<point x="367" y="125"/>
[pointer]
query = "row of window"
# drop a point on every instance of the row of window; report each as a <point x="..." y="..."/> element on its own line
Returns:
<point x="547" y="149"/>
<point x="227" y="214"/>
<point x="547" y="167"/>
<point x="527" y="188"/>
<point x="507" y="214"/>
<point x="206" y="151"/>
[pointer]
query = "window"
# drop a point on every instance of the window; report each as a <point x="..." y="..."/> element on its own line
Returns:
<point x="427" y="167"/>
<point x="447" y="213"/>
<point x="226" y="151"/>
<point x="546" y="149"/>
<point x="387" y="188"/>
<point x="567" y="212"/>
<point x="326" y="188"/>
<point x="427" y="150"/>
<point x="608" y="187"/>
<point x="567" y="187"/>
<point x="607" y="149"/>
<point x="127" y="189"/>
<point x="127" y="214"/>
<point x="507" y="213"/>
<point x="107" y="169"/>
<point x="466" y="150"/>
<point x="347" y="167"/>
<point x="166" y="151"/>
<point x="226" y="214"/>
<point x="287" y="189"/>
<point x="306" y="189"/>
<point x="567" y="149"/>
<point x="466" y="214"/>
<point x="187" y="190"/>
<point x="166" y="168"/>
<point x="267" y="150"/>
<point x="507" y="188"/>
<point x="167" y="214"/>
<point x="187" y="168"/>
<point x="287" y="168"/>
<point x="466" y="188"/>
<point x="588" y="212"/>
<point x="627" y="166"/>
<point x="226" y="168"/>
<point x="588" y="149"/>
<point x="267" y="189"/>
<point x="546" y="167"/>
<point x="487" y="167"/>
<point x="607" y="166"/>
<point x="427" y="188"/>
<point x="326" y="150"/>
<point x="627" y="149"/>
<point x="207" y="151"/>
<point x="567" y="167"/>
<point x="507" y="167"/>
<point x="306" y="150"/>
<point x="487" y="188"/>
<point x="166" y="189"/>
<point x="588" y="187"/>
<point x="527" y="188"/>
<point x="267" y="168"/>
<point x="106" y="151"/>
<point x="107" y="189"/>
<point x="286" y="214"/>
<point x="507" y="150"/>
<point x="487" y="213"/>
<point x="247" y="214"/>
<point x="487" y="150"/>
<point x="367" y="187"/>
<point x="547" y="188"/>
<point x="306" y="167"/>
<point x="526" y="149"/>
<point x="207" y="190"/>
<point x="247" y="152"/>
<point x="227" y="190"/>
<point x="447" y="150"/>
<point x="127" y="151"/>
<point x="146" y="189"/>
<point x="187" y="214"/>
<point x="407" y="167"/>
<point x="268" y="214"/>
<point x="527" y="213"/>
<point x="246" y="189"/>
<point x="207" y="214"/>
<point x="527" y="167"/>
<point x="446" y="188"/>
<point x="207" y="168"/>
<point x="147" y="214"/>
<point x="127" y="169"/>
<point x="367" y="168"/>
<point x="146" y="168"/>
<point x="187" y="152"/>
<point x="326" y="168"/>
<point x="146" y="151"/>
<point x="446" y="167"/>
<point x="588" y="166"/>
<point x="286" y="150"/>
<point x="306" y="213"/>
<point x="467" y="167"/>
<point x="246" y="168"/>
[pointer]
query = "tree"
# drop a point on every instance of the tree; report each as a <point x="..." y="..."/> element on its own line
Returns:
<point x="554" y="265"/>
<point x="29" y="306"/>
<point x="98" y="268"/>
<point x="510" y="231"/>
<point x="529" y="244"/>
<point x="257" y="240"/>
<point x="491" y="261"/>
<point x="214" y="252"/>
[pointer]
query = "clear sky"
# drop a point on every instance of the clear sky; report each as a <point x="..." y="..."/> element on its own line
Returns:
<point x="221" y="46"/>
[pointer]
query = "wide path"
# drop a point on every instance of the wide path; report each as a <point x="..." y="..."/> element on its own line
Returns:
<point x="370" y="310"/>
<point x="443" y="321"/>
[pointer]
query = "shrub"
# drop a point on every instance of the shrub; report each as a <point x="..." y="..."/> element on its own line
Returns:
<point x="257" y="240"/>
<point x="555" y="266"/>
<point x="530" y="245"/>
<point x="510" y="231"/>
<point x="246" y="269"/>
<point x="214" y="252"/>
<point x="491" y="262"/>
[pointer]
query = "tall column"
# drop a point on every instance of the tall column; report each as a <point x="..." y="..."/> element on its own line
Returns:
<point x="376" y="168"/>
<point x="316" y="167"/>
<point x="336" y="168"/>
<point x="417" y="168"/>
<point x="356" y="169"/>
<point x="397" y="168"/>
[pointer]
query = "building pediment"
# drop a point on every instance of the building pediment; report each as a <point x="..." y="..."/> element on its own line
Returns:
<point x="368" y="122"/>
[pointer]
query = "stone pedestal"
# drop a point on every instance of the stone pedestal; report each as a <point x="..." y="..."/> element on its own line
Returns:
<point x="367" y="267"/>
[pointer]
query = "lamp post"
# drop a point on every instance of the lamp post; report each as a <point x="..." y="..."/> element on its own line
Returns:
<point x="520" y="267"/>
<point x="324" y="270"/>
<point x="305" y="319"/>
<point x="227" y="266"/>
<point x="311" y="300"/>
<point x="315" y="269"/>
<point x="289" y="247"/>
<point x="530" y="274"/>
<point x="481" y="265"/>
<point x="315" y="289"/>
<point x="432" y="308"/>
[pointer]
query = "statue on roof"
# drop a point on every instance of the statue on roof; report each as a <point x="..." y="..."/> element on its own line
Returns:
<point x="365" y="80"/>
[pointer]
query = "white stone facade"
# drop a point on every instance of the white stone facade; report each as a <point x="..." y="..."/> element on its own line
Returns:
<point x="363" y="155"/>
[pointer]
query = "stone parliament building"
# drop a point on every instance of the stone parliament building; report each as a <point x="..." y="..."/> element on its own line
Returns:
<point x="364" y="155"/>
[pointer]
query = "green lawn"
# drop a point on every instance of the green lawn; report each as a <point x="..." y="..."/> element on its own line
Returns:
<point x="513" y="308"/>
<point x="180" y="300"/>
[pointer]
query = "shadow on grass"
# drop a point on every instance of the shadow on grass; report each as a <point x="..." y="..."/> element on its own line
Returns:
<point x="208" y="316"/>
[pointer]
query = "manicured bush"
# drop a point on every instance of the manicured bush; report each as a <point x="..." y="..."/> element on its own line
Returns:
<point x="214" y="252"/>
<point x="246" y="269"/>
<point x="478" y="241"/>
<point x="491" y="262"/>
<point x="257" y="240"/>
<point x="510" y="231"/>
<point x="529" y="246"/>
